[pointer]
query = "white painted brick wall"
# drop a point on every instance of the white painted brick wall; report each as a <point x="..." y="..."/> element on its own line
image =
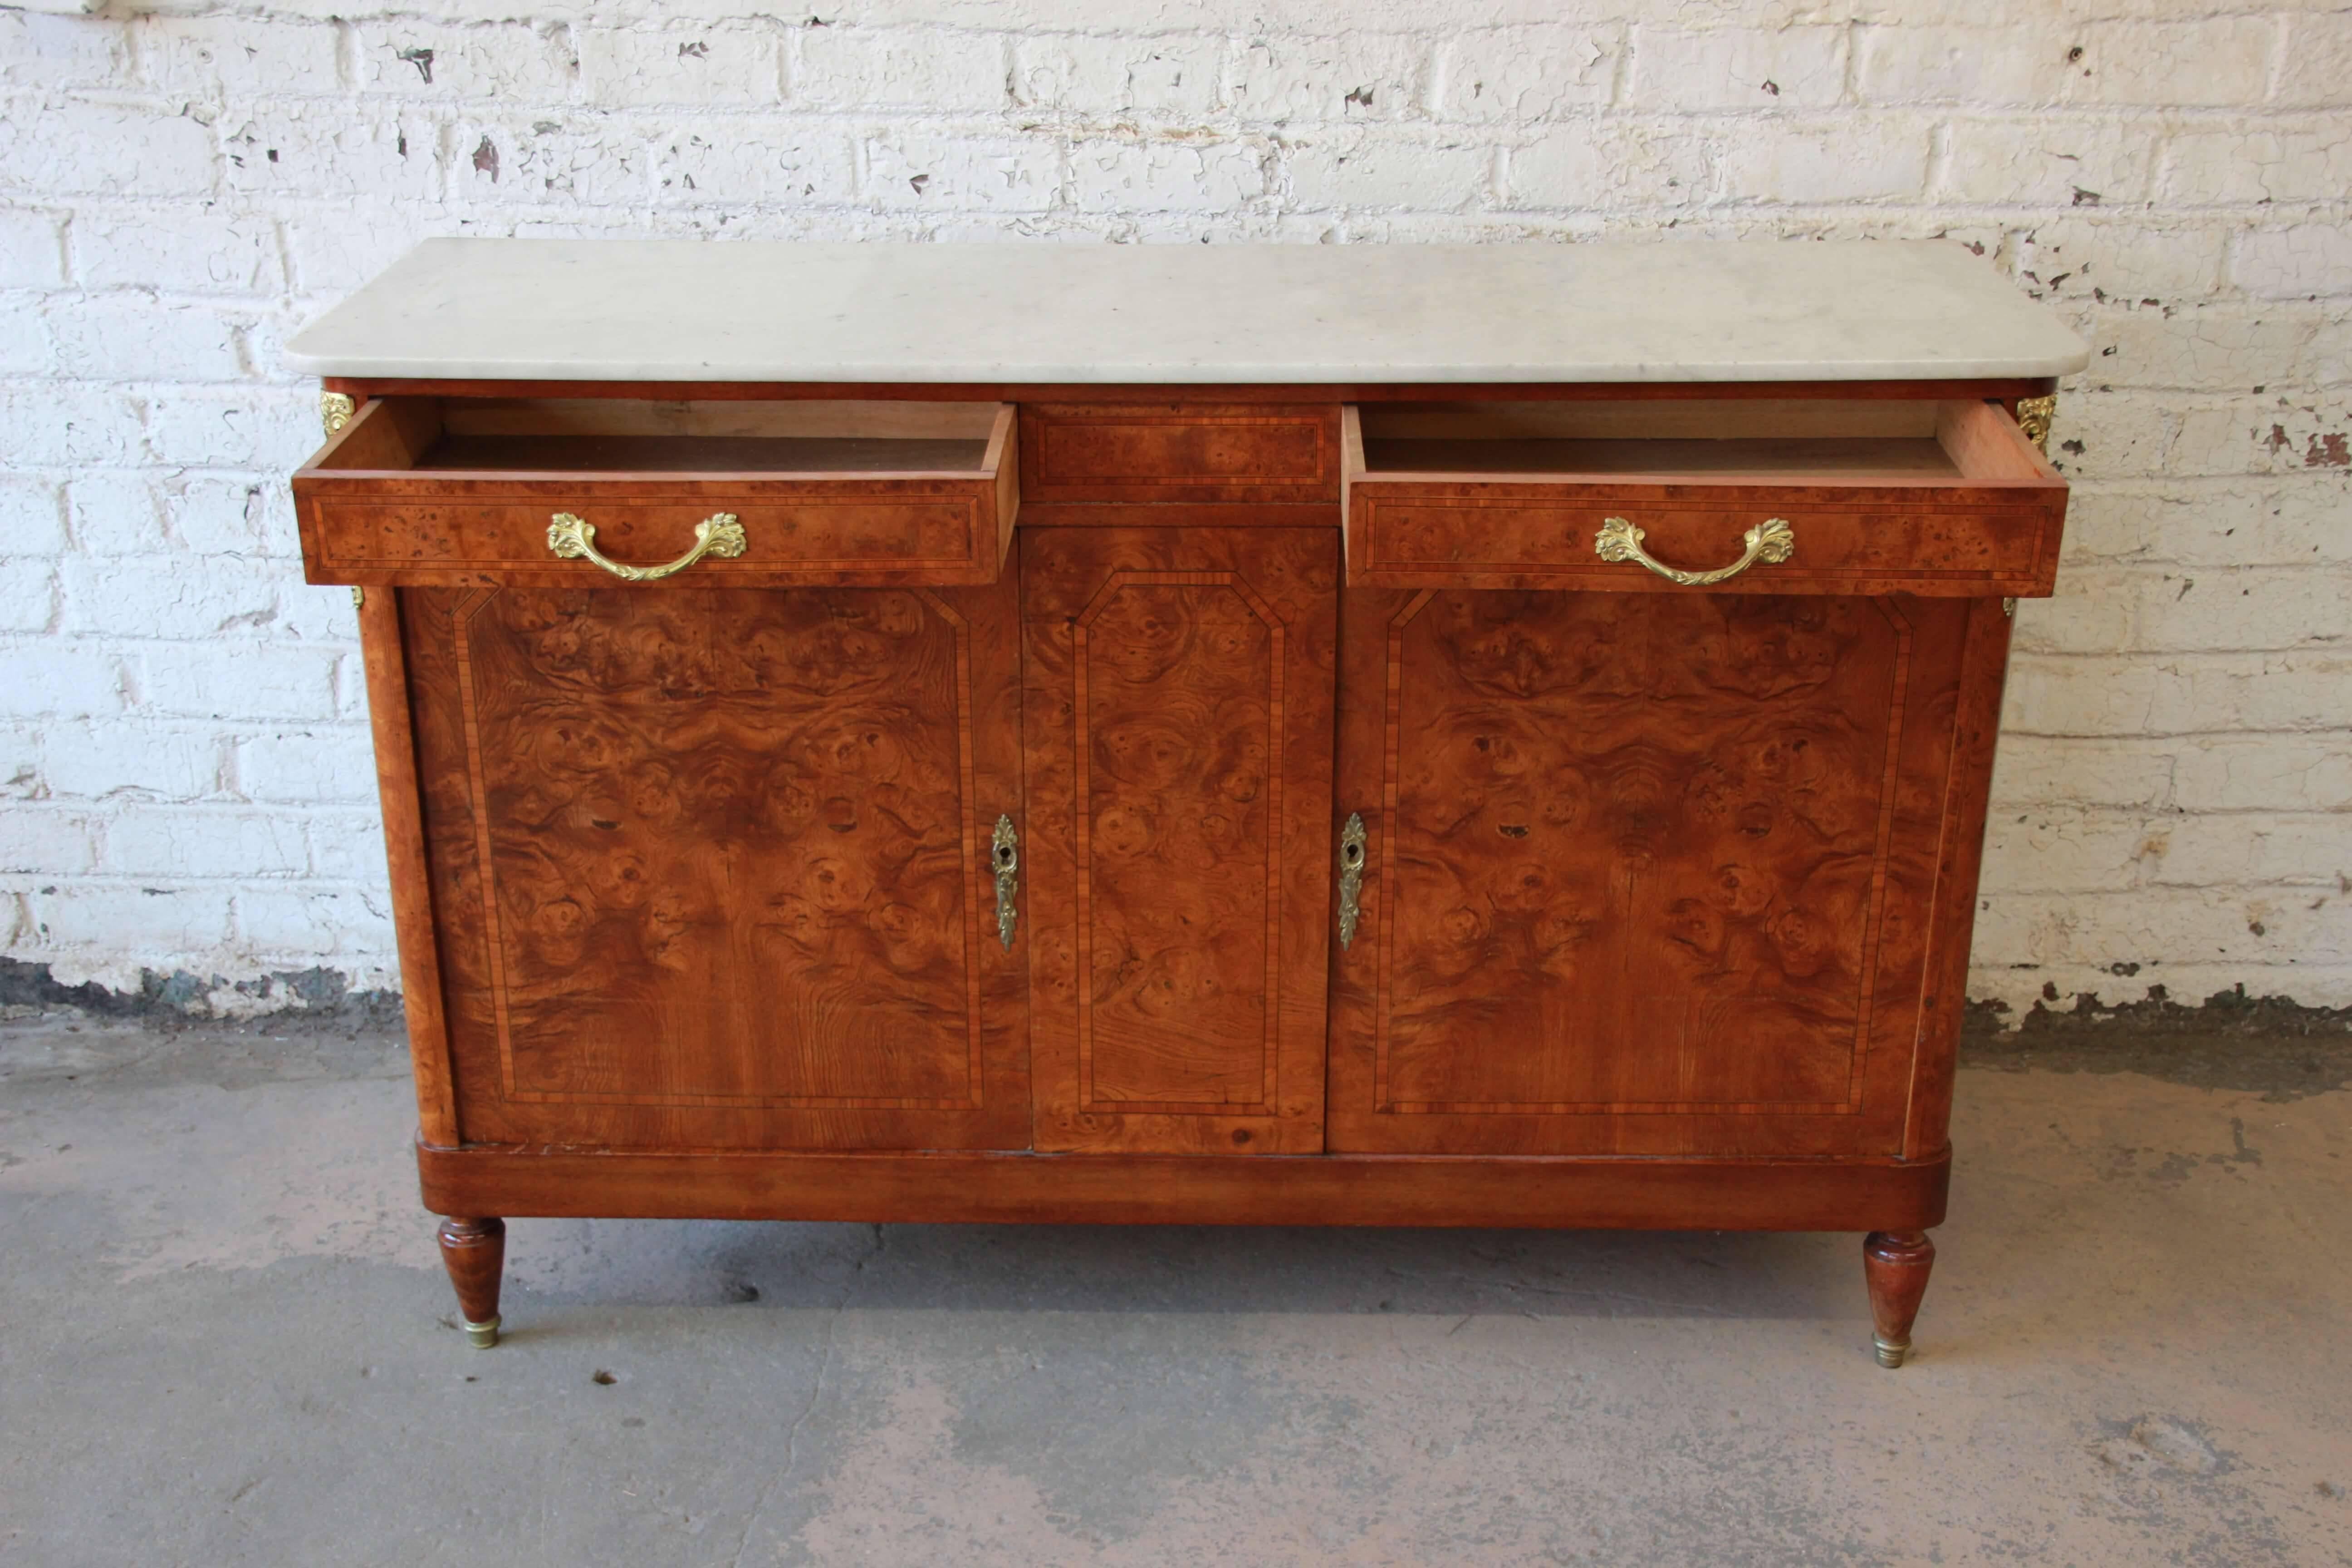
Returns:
<point x="184" y="779"/>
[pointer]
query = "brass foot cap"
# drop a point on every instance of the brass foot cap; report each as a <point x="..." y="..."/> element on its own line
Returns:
<point x="1891" y="1351"/>
<point x="485" y="1334"/>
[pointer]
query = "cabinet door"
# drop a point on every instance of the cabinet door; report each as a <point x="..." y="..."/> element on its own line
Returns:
<point x="1178" y="738"/>
<point x="1646" y="873"/>
<point x="710" y="866"/>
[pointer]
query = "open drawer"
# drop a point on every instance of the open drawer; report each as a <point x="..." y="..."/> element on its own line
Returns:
<point x="1790" y="496"/>
<point x="584" y="491"/>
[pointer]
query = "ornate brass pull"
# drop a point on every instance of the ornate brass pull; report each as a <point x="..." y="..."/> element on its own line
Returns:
<point x="1771" y="540"/>
<point x="1352" y="877"/>
<point x="1004" y="849"/>
<point x="573" y="539"/>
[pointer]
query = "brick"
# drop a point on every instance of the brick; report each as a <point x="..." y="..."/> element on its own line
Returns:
<point x="322" y="766"/>
<point x="2180" y="693"/>
<point x="1514" y="74"/>
<point x="754" y="161"/>
<point x="135" y="336"/>
<point x="348" y="846"/>
<point x="932" y="70"/>
<point x="1096" y="76"/>
<point x="2297" y="260"/>
<point x="184" y="249"/>
<point x="2017" y="65"/>
<point x="2033" y="771"/>
<point x="72" y="146"/>
<point x="38" y="679"/>
<point x="329" y="257"/>
<point x="2233" y="849"/>
<point x="2047" y="162"/>
<point x="2317" y="64"/>
<point x="317" y="147"/>
<point x="2200" y="64"/>
<point x="512" y="62"/>
<point x="1355" y="75"/>
<point x="1392" y="170"/>
<point x="316" y="922"/>
<point x="128" y="597"/>
<point x="32" y="247"/>
<point x="123" y="758"/>
<point x="970" y="172"/>
<point x="703" y="63"/>
<point x="2250" y="166"/>
<point x="1734" y="68"/>
<point x="52" y="52"/>
<point x="236" y="680"/>
<point x="1827" y="161"/>
<point x="2092" y="612"/>
<point x="186" y="842"/>
<point x="32" y="516"/>
<point x="2128" y="259"/>
<point x="1146" y="177"/>
<point x="2066" y="850"/>
<point x="212" y="57"/>
<point x="2201" y="347"/>
<point x="26" y="345"/>
<point x="1603" y="163"/>
<point x="69" y="427"/>
<point x="28" y="594"/>
<point x="243" y="515"/>
<point x="45" y="841"/>
<point x="2274" y="773"/>
<point x="2244" y="609"/>
<point x="123" y="922"/>
<point x="2215" y="925"/>
<point x="570" y="156"/>
<point x="113" y="512"/>
<point x="2310" y="434"/>
<point x="272" y="428"/>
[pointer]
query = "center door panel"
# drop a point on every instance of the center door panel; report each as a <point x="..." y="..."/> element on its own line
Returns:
<point x="1645" y="874"/>
<point x="1177" y="726"/>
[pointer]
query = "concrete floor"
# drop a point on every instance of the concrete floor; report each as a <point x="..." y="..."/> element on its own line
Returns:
<point x="225" y="1338"/>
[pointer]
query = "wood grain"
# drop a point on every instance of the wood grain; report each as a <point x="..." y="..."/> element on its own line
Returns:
<point x="384" y="656"/>
<point x="1173" y="451"/>
<point x="709" y="864"/>
<point x="1177" y="737"/>
<point x="1178" y="1189"/>
<point x="1644" y="875"/>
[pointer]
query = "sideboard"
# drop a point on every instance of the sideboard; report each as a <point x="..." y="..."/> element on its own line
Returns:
<point x="1316" y="736"/>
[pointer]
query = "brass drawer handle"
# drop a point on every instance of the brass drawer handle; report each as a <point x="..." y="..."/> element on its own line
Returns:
<point x="1352" y="877"/>
<point x="1003" y="851"/>
<point x="575" y="538"/>
<point x="1771" y="541"/>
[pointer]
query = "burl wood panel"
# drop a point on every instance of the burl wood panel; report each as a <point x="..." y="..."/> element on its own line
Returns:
<point x="1175" y="451"/>
<point x="1646" y="875"/>
<point x="709" y="865"/>
<point x="1851" y="540"/>
<point x="1178" y="734"/>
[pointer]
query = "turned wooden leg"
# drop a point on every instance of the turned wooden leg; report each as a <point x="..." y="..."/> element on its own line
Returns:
<point x="1895" y="1264"/>
<point x="475" y="1252"/>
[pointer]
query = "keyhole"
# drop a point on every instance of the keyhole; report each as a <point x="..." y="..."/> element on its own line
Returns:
<point x="1005" y="858"/>
<point x="1351" y="857"/>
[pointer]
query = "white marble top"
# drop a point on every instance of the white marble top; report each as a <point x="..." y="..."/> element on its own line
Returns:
<point x="1623" y="311"/>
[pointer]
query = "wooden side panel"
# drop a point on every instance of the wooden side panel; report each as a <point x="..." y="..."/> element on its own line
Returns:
<point x="1645" y="876"/>
<point x="403" y="844"/>
<point x="1140" y="451"/>
<point x="710" y="865"/>
<point x="1178" y="706"/>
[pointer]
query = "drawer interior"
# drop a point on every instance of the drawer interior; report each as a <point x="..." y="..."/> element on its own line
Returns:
<point x="618" y="436"/>
<point x="1850" y="440"/>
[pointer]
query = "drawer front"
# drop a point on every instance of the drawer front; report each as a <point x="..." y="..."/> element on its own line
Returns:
<point x="909" y="533"/>
<point x="1148" y="452"/>
<point x="1861" y="539"/>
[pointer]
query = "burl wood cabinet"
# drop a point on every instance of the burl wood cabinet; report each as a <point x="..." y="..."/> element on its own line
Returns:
<point x="1170" y="788"/>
